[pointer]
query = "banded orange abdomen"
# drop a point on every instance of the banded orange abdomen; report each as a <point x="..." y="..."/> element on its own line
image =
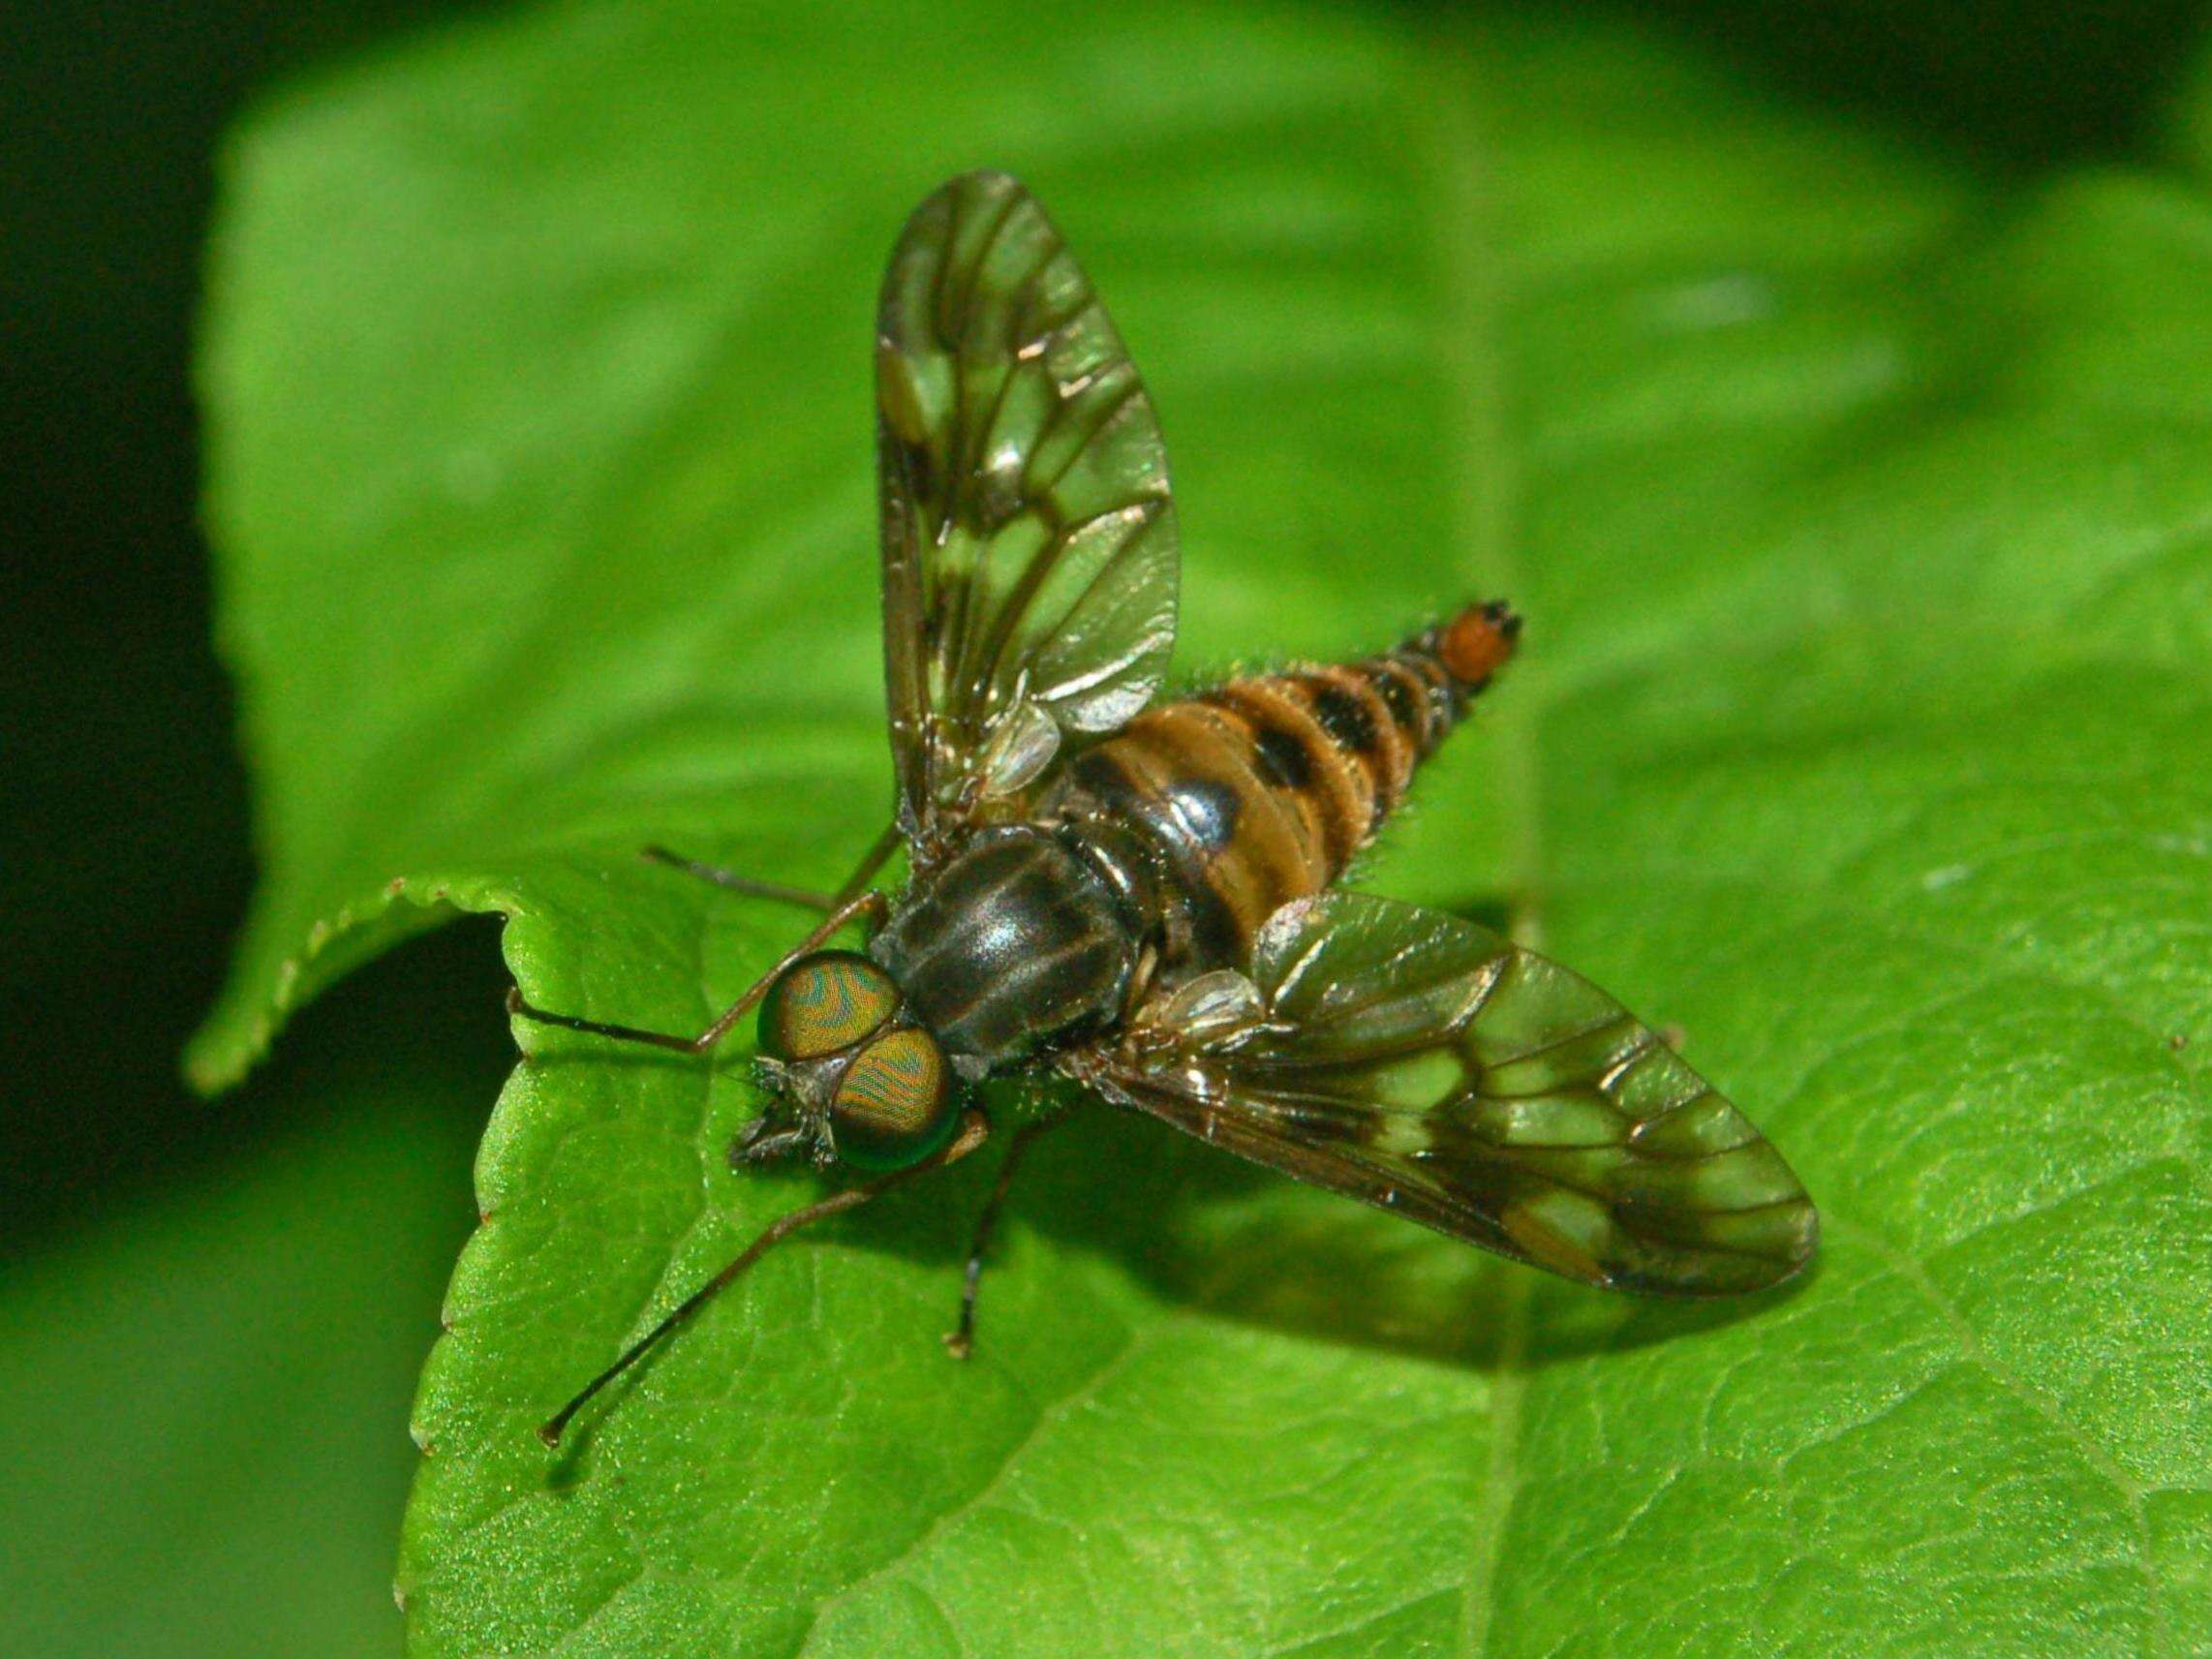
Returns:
<point x="1261" y="790"/>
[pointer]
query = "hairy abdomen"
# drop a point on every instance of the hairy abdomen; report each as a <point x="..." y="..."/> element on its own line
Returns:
<point x="1260" y="791"/>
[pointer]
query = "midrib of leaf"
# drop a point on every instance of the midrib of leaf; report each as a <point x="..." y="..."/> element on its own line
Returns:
<point x="1482" y="488"/>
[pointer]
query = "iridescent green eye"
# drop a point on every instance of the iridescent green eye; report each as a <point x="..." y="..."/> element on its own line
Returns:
<point x="826" y="1003"/>
<point x="894" y="1106"/>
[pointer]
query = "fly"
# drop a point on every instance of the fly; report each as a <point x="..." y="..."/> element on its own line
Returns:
<point x="1138" y="897"/>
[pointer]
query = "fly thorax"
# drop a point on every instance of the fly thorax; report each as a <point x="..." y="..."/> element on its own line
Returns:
<point x="1013" y="944"/>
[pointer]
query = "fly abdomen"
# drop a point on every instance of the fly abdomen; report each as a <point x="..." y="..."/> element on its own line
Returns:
<point x="1260" y="791"/>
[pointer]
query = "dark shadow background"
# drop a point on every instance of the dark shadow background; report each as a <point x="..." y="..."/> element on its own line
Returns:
<point x="124" y="864"/>
<point x="124" y="857"/>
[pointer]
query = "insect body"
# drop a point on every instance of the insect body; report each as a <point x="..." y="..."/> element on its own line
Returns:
<point x="1157" y="855"/>
<point x="1140" y="900"/>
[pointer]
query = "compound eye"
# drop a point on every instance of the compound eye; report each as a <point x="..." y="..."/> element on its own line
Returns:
<point x="826" y="1003"/>
<point x="894" y="1104"/>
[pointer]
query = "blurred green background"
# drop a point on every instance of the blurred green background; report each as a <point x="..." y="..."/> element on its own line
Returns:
<point x="213" y="1312"/>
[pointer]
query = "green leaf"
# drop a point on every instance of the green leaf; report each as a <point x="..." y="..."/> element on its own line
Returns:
<point x="1861" y="511"/>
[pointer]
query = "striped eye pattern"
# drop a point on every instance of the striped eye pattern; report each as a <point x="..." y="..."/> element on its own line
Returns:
<point x="826" y="1003"/>
<point x="894" y="1106"/>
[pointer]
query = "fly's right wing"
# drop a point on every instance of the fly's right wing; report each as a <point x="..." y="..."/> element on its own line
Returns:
<point x="1030" y="556"/>
<point x="1430" y="1067"/>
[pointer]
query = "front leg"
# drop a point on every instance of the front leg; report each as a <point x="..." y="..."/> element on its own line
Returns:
<point x="974" y="1129"/>
<point x="871" y="906"/>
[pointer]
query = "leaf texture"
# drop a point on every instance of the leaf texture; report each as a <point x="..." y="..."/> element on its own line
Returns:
<point x="1861" y="507"/>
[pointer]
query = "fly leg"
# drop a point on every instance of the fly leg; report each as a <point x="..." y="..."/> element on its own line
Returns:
<point x="804" y="897"/>
<point x="959" y="1341"/>
<point x="780" y="892"/>
<point x="974" y="1128"/>
<point x="870" y="907"/>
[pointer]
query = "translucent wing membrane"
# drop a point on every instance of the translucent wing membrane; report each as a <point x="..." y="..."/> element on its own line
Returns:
<point x="1429" y="1066"/>
<point x="1029" y="559"/>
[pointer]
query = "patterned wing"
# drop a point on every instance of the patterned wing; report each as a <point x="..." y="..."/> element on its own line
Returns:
<point x="1429" y="1066"/>
<point x="1030" y="561"/>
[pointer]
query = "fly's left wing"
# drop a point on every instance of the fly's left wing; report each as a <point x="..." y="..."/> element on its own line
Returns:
<point x="1030" y="562"/>
<point x="1429" y="1066"/>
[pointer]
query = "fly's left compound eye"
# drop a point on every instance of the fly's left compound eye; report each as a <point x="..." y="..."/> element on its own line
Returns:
<point x="894" y="1104"/>
<point x="826" y="1003"/>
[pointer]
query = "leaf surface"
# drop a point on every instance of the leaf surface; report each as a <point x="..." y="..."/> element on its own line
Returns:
<point x="1862" y="512"/>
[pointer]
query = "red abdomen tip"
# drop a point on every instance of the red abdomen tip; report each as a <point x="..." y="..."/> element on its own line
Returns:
<point x="1477" y="642"/>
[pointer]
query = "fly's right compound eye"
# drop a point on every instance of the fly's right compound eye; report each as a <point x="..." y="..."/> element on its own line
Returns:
<point x="894" y="1105"/>
<point x="823" y="1003"/>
